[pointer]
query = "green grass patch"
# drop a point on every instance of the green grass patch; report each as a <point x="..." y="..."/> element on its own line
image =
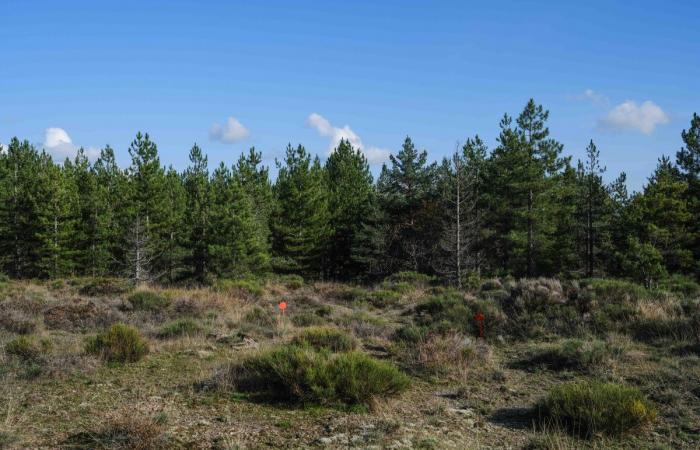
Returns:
<point x="148" y="301"/>
<point x="587" y="408"/>
<point x="118" y="344"/>
<point x="180" y="327"/>
<point x="327" y="338"/>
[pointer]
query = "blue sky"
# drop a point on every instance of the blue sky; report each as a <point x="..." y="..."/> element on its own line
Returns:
<point x="91" y="73"/>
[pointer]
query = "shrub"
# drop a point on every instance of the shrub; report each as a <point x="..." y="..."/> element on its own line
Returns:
<point x="16" y="321"/>
<point x="95" y="287"/>
<point x="383" y="298"/>
<point x="534" y="295"/>
<point x="588" y="408"/>
<point x="26" y="348"/>
<point x="411" y="277"/>
<point x="684" y="286"/>
<point x="302" y="374"/>
<point x="122" y="433"/>
<point x="573" y="354"/>
<point x="676" y="329"/>
<point x="245" y="286"/>
<point x="328" y="338"/>
<point x="616" y="291"/>
<point x="438" y="354"/>
<point x="307" y="319"/>
<point x="120" y="343"/>
<point x="260" y="317"/>
<point x="292" y="282"/>
<point x="148" y="301"/>
<point x="78" y="315"/>
<point x="493" y="284"/>
<point x="180" y="327"/>
<point x="357" y="378"/>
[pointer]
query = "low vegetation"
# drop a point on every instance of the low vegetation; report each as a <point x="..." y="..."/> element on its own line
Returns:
<point x="304" y="374"/>
<point x="589" y="408"/>
<point x="562" y="364"/>
<point x="120" y="343"/>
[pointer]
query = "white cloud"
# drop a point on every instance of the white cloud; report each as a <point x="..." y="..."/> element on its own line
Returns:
<point x="229" y="132"/>
<point x="324" y="128"/>
<point x="58" y="142"/>
<point x="594" y="97"/>
<point x="630" y="116"/>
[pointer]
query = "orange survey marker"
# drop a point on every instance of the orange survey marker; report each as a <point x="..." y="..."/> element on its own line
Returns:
<point x="282" y="306"/>
<point x="480" y="322"/>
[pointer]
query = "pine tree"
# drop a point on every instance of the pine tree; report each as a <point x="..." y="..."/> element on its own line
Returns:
<point x="665" y="216"/>
<point x="350" y="197"/>
<point x="688" y="160"/>
<point x="522" y="173"/>
<point x="146" y="210"/>
<point x="594" y="197"/>
<point x="196" y="181"/>
<point x="172" y="230"/>
<point x="110" y="218"/>
<point x="255" y="180"/>
<point x="460" y="184"/>
<point x="58" y="220"/>
<point x="21" y="209"/>
<point x="235" y="248"/>
<point x="301" y="221"/>
<point x="80" y="176"/>
<point x="407" y="195"/>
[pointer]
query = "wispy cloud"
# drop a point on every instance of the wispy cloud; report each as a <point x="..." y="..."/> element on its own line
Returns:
<point x="229" y="132"/>
<point x="373" y="154"/>
<point x="629" y="116"/>
<point x="595" y="97"/>
<point x="59" y="143"/>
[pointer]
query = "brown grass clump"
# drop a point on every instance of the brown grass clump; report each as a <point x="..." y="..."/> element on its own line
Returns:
<point x="449" y="354"/>
<point x="79" y="314"/>
<point x="16" y="321"/>
<point x="125" y="432"/>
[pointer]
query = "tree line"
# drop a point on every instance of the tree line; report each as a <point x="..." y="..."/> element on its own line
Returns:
<point x="521" y="209"/>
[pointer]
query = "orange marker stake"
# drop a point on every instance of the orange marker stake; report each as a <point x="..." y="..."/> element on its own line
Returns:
<point x="480" y="322"/>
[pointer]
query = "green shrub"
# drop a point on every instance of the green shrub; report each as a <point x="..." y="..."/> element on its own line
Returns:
<point x="410" y="334"/>
<point x="120" y="343"/>
<point x="4" y="278"/>
<point x="301" y="374"/>
<point x="95" y="287"/>
<point x="401" y="287"/>
<point x="687" y="287"/>
<point x="616" y="291"/>
<point x="492" y="284"/>
<point x="307" y="319"/>
<point x="292" y="282"/>
<point x="357" y="378"/>
<point x="675" y="329"/>
<point x="246" y="286"/>
<point x="588" y="408"/>
<point x="411" y="277"/>
<point x="572" y="354"/>
<point x="180" y="327"/>
<point x="328" y="338"/>
<point x="148" y="301"/>
<point x="27" y="348"/>
<point x="383" y="298"/>
<point x="260" y="317"/>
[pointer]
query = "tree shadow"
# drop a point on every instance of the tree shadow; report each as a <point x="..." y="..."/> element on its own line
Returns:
<point x="518" y="418"/>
